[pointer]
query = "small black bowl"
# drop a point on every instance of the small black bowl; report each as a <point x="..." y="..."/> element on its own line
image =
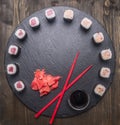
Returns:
<point x="79" y="100"/>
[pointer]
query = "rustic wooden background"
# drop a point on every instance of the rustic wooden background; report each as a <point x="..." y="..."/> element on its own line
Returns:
<point x="107" y="12"/>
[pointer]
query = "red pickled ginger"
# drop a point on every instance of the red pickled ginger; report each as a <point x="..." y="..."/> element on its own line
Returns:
<point x="44" y="83"/>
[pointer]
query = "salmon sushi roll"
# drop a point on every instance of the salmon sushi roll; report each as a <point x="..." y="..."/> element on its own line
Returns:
<point x="19" y="86"/>
<point x="86" y="23"/>
<point x="68" y="15"/>
<point x="106" y="54"/>
<point x="99" y="89"/>
<point x="105" y="72"/>
<point x="98" y="37"/>
<point x="20" y="34"/>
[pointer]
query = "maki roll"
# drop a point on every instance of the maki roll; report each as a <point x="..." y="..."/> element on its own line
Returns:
<point x="98" y="37"/>
<point x="86" y="23"/>
<point x="13" y="50"/>
<point x="19" y="86"/>
<point x="99" y="89"/>
<point x="50" y="14"/>
<point x="12" y="69"/>
<point x="34" y="22"/>
<point x="68" y="15"/>
<point x="20" y="34"/>
<point x="106" y="54"/>
<point x="105" y="72"/>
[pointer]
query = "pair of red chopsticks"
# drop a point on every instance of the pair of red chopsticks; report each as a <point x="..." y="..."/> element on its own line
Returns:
<point x="65" y="88"/>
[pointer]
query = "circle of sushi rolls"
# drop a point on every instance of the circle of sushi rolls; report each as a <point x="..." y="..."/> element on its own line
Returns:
<point x="86" y="23"/>
<point x="105" y="72"/>
<point x="50" y="14"/>
<point x="34" y="22"/>
<point x="12" y="69"/>
<point x="13" y="50"/>
<point x="106" y="54"/>
<point x="68" y="15"/>
<point x="19" y="86"/>
<point x="98" y="37"/>
<point x="99" y="89"/>
<point x="20" y="34"/>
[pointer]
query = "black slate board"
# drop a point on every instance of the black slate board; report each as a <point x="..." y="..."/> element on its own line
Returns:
<point x="53" y="46"/>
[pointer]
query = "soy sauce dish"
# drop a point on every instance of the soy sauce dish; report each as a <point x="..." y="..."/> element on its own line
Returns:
<point x="79" y="100"/>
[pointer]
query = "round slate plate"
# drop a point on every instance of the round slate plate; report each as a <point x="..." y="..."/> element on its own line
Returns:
<point x="53" y="46"/>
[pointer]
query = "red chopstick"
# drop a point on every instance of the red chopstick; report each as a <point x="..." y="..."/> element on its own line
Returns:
<point x="69" y="86"/>
<point x="64" y="88"/>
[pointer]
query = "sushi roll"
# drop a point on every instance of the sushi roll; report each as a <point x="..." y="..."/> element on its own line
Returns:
<point x="68" y="15"/>
<point x="105" y="72"/>
<point x="98" y="37"/>
<point x="106" y="54"/>
<point x="50" y="14"/>
<point x="99" y="90"/>
<point x="13" y="50"/>
<point x="12" y="69"/>
<point x="34" y="22"/>
<point x="86" y="23"/>
<point x="20" y="34"/>
<point x="19" y="86"/>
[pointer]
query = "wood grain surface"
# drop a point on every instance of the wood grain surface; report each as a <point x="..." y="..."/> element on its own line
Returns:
<point x="107" y="12"/>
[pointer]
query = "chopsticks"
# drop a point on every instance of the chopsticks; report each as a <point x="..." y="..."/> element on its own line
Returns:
<point x="64" y="88"/>
<point x="69" y="86"/>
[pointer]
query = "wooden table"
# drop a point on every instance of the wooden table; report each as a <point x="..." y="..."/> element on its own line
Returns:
<point x="107" y="12"/>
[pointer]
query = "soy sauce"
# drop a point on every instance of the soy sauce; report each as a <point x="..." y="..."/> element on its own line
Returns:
<point x="79" y="99"/>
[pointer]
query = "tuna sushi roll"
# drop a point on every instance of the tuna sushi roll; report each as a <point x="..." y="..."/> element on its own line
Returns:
<point x="98" y="37"/>
<point x="34" y="22"/>
<point x="19" y="86"/>
<point x="20" y="34"/>
<point x="105" y="72"/>
<point x="13" y="50"/>
<point x="50" y="14"/>
<point x="99" y="89"/>
<point x="12" y="69"/>
<point x="106" y="54"/>
<point x="68" y="15"/>
<point x="86" y="23"/>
